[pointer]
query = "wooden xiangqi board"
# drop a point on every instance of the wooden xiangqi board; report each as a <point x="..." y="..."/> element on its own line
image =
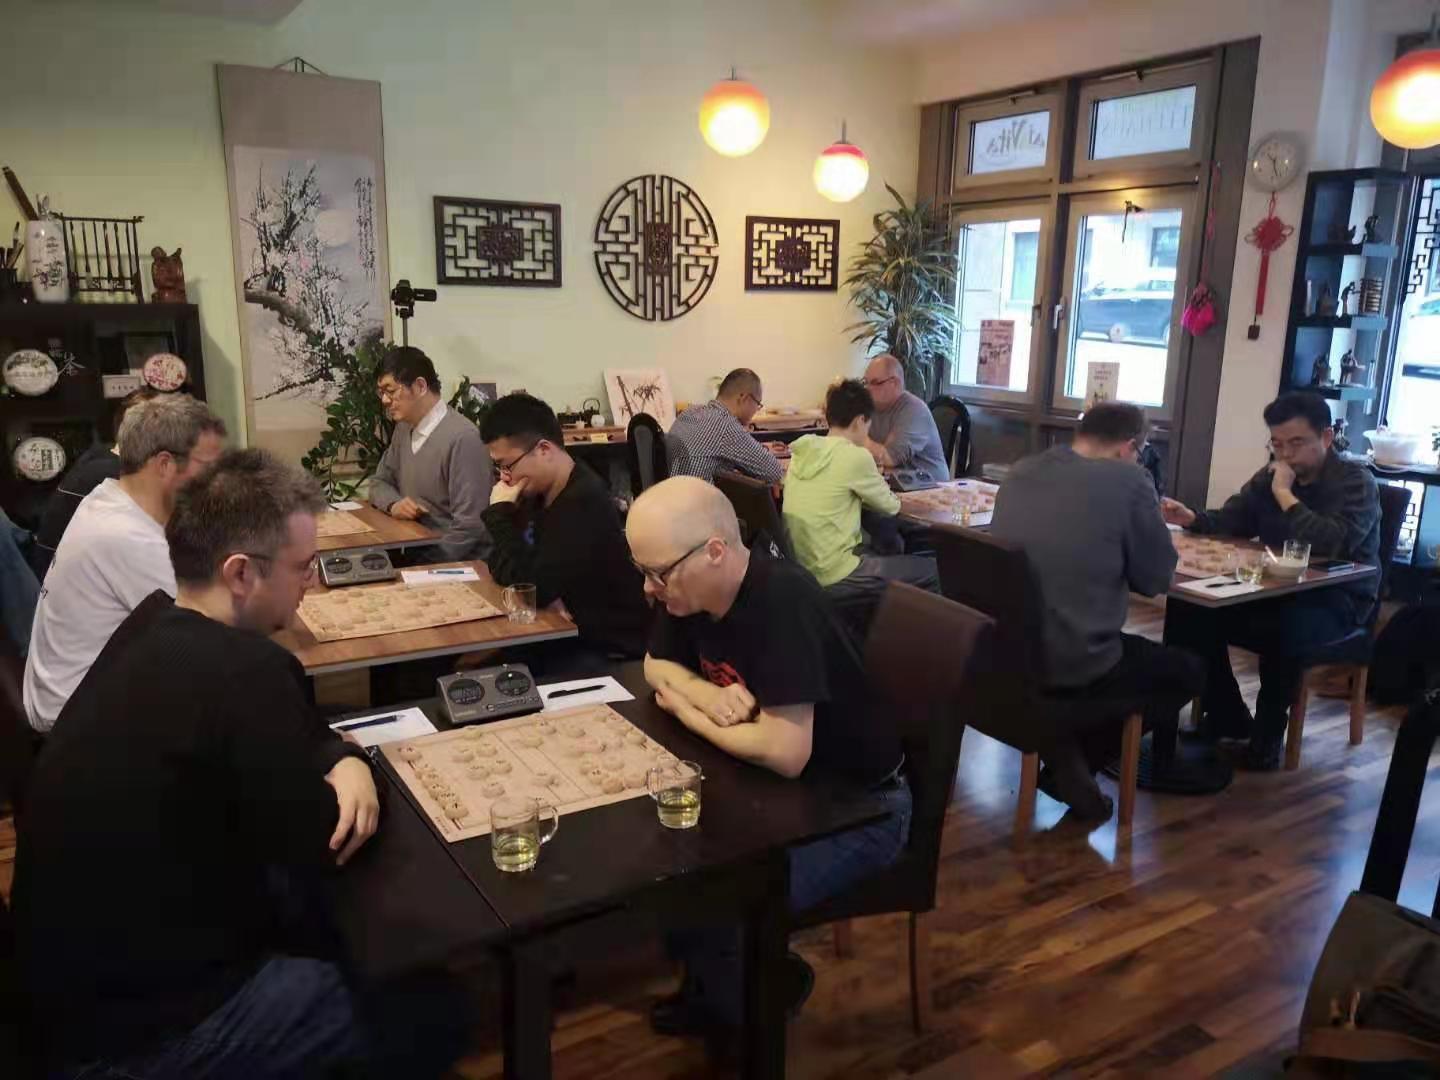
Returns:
<point x="951" y="496"/>
<point x="388" y="609"/>
<point x="338" y="523"/>
<point x="1203" y="557"/>
<point x="574" y="759"/>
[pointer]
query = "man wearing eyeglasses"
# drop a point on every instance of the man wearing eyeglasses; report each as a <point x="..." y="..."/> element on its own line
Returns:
<point x="707" y="438"/>
<point x="113" y="553"/>
<point x="555" y="526"/>
<point x="436" y="469"/>
<point x="1309" y="493"/>
<point x="903" y="434"/>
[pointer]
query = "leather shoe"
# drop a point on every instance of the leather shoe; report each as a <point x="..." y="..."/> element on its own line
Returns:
<point x="1262" y="755"/>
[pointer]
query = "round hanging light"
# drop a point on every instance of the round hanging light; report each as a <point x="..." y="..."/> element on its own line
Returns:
<point x="842" y="171"/>
<point x="1405" y="103"/>
<point x="734" y="116"/>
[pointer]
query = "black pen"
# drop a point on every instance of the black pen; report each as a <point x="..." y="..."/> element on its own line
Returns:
<point x="574" y="690"/>
<point x="355" y="724"/>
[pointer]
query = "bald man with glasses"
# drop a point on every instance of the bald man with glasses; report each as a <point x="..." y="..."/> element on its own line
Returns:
<point x="903" y="435"/>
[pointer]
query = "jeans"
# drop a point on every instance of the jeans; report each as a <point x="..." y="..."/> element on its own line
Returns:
<point x="1281" y="631"/>
<point x="296" y="1019"/>
<point x="19" y="587"/>
<point x="818" y="871"/>
<point x="868" y="580"/>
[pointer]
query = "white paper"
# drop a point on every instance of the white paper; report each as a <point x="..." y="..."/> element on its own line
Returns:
<point x="348" y="505"/>
<point x="438" y="577"/>
<point x="406" y="724"/>
<point x="1219" y="587"/>
<point x="607" y="690"/>
<point x="1102" y="382"/>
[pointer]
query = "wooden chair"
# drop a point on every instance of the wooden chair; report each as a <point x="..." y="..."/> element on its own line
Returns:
<point x="755" y="506"/>
<point x="919" y="659"/>
<point x="995" y="577"/>
<point x="648" y="458"/>
<point x="953" y="420"/>
<point x="1352" y="652"/>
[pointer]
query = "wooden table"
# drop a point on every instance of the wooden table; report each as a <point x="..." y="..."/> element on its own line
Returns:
<point x="732" y="866"/>
<point x="385" y="532"/>
<point x="1270" y="587"/>
<point x="927" y="515"/>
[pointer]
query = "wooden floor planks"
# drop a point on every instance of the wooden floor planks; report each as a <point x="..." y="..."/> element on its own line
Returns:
<point x="1179" y="950"/>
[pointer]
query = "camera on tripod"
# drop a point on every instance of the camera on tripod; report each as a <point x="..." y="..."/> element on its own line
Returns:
<point x="405" y="296"/>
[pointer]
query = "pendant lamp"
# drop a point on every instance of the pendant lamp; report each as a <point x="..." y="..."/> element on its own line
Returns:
<point x="734" y="116"/>
<point x="1405" y="103"/>
<point x="842" y="171"/>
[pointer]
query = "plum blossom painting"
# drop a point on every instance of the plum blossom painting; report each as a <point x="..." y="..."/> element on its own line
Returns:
<point x="305" y="158"/>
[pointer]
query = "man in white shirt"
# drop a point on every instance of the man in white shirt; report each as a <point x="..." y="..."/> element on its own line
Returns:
<point x="114" y="552"/>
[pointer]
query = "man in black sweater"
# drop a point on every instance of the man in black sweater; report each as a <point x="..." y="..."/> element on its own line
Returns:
<point x="184" y="779"/>
<point x="577" y="552"/>
<point x="1308" y="493"/>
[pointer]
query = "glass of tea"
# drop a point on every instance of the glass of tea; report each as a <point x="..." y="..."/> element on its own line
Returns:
<point x="676" y="791"/>
<point x="515" y="836"/>
<point x="1249" y="566"/>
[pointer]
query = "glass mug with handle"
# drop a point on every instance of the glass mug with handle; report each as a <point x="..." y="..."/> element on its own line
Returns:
<point x="515" y="836"/>
<point x="519" y="603"/>
<point x="676" y="791"/>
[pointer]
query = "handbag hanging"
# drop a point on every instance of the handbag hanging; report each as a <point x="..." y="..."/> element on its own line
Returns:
<point x="1202" y="309"/>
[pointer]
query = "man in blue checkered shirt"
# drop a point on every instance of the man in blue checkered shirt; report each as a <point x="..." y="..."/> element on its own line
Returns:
<point x="707" y="438"/>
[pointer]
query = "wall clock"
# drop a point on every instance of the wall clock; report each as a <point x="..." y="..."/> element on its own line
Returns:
<point x="1277" y="161"/>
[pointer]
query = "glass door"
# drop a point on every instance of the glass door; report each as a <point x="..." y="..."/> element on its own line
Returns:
<point x="1118" y="322"/>
<point x="1000" y="259"/>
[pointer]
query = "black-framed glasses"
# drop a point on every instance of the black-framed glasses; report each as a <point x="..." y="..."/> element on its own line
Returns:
<point x="662" y="577"/>
<point x="758" y="403"/>
<point x="498" y="468"/>
<point x="312" y="566"/>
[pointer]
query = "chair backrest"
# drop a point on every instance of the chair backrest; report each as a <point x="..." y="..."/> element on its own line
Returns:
<point x="921" y="658"/>
<point x="755" y="506"/>
<point x="953" y="420"/>
<point x="1394" y="501"/>
<point x="649" y="457"/>
<point x="994" y="577"/>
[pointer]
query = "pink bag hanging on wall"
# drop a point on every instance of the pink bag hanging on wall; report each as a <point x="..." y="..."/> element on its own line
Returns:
<point x="1202" y="309"/>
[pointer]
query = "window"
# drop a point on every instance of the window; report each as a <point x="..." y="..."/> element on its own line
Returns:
<point x="1011" y="142"/>
<point x="1007" y="141"/>
<point x="1143" y="123"/>
<point x="1165" y="246"/>
<point x="1414" y="400"/>
<point x="1022" y="262"/>
<point x="1144" y="119"/>
<point x="997" y="256"/>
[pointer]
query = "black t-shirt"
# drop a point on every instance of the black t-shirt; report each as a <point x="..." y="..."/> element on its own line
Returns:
<point x="187" y="764"/>
<point x="578" y="554"/>
<point x="784" y="643"/>
<point x="97" y="464"/>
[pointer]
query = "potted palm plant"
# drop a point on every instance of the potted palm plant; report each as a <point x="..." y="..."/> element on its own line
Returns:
<point x="903" y="284"/>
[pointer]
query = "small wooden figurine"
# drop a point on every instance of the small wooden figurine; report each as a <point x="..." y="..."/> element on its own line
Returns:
<point x="1348" y="367"/>
<point x="168" y="273"/>
<point x="1345" y="295"/>
<point x="1320" y="373"/>
<point x="1372" y="229"/>
<point x="1325" y="303"/>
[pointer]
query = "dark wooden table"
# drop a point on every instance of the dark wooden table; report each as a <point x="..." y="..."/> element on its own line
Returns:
<point x="732" y="866"/>
<point x="1270" y="587"/>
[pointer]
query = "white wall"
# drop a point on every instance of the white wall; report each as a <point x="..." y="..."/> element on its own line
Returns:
<point x="1318" y="59"/>
<point x="555" y="101"/>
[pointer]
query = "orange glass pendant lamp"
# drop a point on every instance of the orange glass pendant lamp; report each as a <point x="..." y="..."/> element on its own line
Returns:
<point x="1405" y="103"/>
<point x="734" y="116"/>
<point x="842" y="171"/>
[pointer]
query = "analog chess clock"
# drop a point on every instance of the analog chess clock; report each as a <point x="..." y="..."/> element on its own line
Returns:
<point x="39" y="458"/>
<point x="30" y="372"/>
<point x="165" y="372"/>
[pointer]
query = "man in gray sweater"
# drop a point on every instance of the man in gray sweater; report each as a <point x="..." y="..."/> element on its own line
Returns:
<point x="903" y="435"/>
<point x="436" y="468"/>
<point x="1089" y="520"/>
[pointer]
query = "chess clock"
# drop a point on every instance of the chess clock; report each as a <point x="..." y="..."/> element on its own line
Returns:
<point x="357" y="566"/>
<point x="492" y="693"/>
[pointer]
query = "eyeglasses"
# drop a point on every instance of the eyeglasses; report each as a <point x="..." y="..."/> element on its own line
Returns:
<point x="873" y="383"/>
<point x="497" y="468"/>
<point x="387" y="393"/>
<point x="312" y="564"/>
<point x="758" y="403"/>
<point x="1294" y="445"/>
<point x="661" y="578"/>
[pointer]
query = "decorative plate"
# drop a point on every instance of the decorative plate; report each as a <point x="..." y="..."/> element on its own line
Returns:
<point x="165" y="372"/>
<point x="39" y="458"/>
<point x="30" y="372"/>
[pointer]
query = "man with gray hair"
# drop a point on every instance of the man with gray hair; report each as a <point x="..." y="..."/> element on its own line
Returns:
<point x="113" y="553"/>
<point x="190" y="764"/>
<point x="903" y="435"/>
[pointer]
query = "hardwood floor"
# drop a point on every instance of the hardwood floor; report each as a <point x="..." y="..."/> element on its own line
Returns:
<point x="1179" y="950"/>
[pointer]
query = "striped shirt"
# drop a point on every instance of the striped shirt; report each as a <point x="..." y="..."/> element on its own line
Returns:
<point x="707" y="438"/>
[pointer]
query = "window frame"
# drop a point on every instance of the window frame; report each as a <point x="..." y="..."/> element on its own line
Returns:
<point x="999" y="109"/>
<point x="1199" y="73"/>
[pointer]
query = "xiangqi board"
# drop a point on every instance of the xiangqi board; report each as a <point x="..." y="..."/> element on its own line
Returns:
<point x="387" y="609"/>
<point x="1201" y="557"/>
<point x="575" y="759"/>
<point x="338" y="523"/>
<point x="950" y="496"/>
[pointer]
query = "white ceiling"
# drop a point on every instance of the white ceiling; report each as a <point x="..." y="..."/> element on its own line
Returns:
<point x="908" y="22"/>
<point x="264" y="12"/>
